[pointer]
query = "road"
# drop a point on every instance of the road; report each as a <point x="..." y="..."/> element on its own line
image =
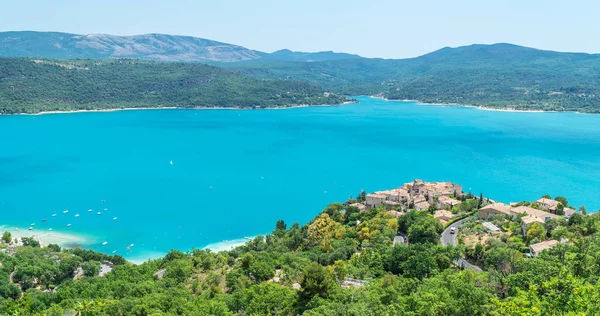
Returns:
<point x="450" y="239"/>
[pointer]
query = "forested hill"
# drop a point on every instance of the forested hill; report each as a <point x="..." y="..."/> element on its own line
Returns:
<point x="344" y="262"/>
<point x="30" y="86"/>
<point x="499" y="75"/>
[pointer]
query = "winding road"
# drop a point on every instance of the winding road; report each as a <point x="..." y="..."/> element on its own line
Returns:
<point x="450" y="239"/>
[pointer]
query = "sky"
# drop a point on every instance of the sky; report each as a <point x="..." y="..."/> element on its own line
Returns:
<point x="373" y="28"/>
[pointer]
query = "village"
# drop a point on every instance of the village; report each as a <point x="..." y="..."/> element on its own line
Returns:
<point x="444" y="200"/>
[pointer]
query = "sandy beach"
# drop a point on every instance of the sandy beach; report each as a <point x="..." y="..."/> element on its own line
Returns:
<point x="477" y="107"/>
<point x="227" y="245"/>
<point x="46" y="237"/>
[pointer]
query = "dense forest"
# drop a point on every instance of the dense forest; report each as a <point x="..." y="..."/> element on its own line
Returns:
<point x="343" y="262"/>
<point x="30" y="86"/>
<point x="499" y="75"/>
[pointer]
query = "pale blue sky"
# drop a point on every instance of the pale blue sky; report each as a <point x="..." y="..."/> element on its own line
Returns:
<point x="374" y="28"/>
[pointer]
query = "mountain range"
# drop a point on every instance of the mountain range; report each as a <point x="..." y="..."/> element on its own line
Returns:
<point x="153" y="47"/>
<point x="499" y="75"/>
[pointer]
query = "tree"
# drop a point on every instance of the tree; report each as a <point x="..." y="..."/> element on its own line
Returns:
<point x="583" y="210"/>
<point x="316" y="281"/>
<point x="560" y="209"/>
<point x="6" y="237"/>
<point x="536" y="230"/>
<point x="339" y="270"/>
<point x="562" y="200"/>
<point x="547" y="196"/>
<point x="29" y="241"/>
<point x="280" y="225"/>
<point x="54" y="247"/>
<point x="425" y="230"/>
<point x="576" y="219"/>
<point x="90" y="268"/>
<point x="480" y="200"/>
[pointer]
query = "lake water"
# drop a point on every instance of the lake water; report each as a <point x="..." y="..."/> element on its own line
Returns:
<point x="235" y="173"/>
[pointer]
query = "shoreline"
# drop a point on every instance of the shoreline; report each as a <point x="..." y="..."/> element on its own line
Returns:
<point x="65" y="240"/>
<point x="479" y="107"/>
<point x="182" y="108"/>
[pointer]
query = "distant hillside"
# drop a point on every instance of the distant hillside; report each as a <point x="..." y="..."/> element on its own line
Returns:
<point x="158" y="47"/>
<point x="288" y="55"/>
<point x="154" y="47"/>
<point x="34" y="85"/>
<point x="499" y="75"/>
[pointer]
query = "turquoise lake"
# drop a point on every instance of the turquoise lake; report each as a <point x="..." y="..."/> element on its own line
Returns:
<point x="234" y="173"/>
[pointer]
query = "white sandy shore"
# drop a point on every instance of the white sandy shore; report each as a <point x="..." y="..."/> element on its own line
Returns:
<point x="477" y="107"/>
<point x="227" y="245"/>
<point x="46" y="237"/>
<point x="187" y="108"/>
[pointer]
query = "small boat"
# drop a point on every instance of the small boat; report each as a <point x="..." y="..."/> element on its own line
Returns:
<point x="131" y="245"/>
<point x="30" y="228"/>
<point x="171" y="162"/>
<point x="76" y="215"/>
<point x="68" y="225"/>
<point x="102" y="201"/>
<point x="16" y="229"/>
<point x="66" y="211"/>
<point x="90" y="210"/>
<point x="53" y="215"/>
<point x="44" y="220"/>
<point x="106" y="208"/>
<point x="114" y="251"/>
<point x="114" y="218"/>
<point x="32" y="224"/>
<point x="49" y="228"/>
<point x="99" y="213"/>
<point x="128" y="248"/>
<point x="104" y="243"/>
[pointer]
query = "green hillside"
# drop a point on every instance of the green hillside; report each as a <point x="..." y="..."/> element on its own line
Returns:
<point x="343" y="262"/>
<point x="500" y="75"/>
<point x="30" y="86"/>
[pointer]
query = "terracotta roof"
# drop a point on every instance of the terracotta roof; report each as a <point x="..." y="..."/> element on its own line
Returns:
<point x="541" y="246"/>
<point x="529" y="220"/>
<point x="442" y="214"/>
<point x="533" y="212"/>
<point x="497" y="207"/>
<point x="569" y="211"/>
<point x="551" y="203"/>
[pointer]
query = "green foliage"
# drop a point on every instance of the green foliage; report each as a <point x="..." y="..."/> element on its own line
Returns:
<point x="6" y="237"/>
<point x="289" y="272"/>
<point x="31" y="86"/>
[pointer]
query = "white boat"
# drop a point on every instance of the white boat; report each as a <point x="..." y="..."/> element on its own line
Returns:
<point x="66" y="211"/>
<point x="106" y="208"/>
<point x="99" y="213"/>
<point x="53" y="215"/>
<point x="104" y="243"/>
<point x="171" y="162"/>
<point x="114" y="251"/>
<point x="30" y="228"/>
<point x="76" y="215"/>
<point x="114" y="218"/>
<point x="131" y="245"/>
<point x="89" y="210"/>
<point x="49" y="228"/>
<point x="68" y="225"/>
<point x="32" y="224"/>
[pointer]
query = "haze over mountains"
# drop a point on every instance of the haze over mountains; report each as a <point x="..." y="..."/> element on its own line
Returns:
<point x="498" y="75"/>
